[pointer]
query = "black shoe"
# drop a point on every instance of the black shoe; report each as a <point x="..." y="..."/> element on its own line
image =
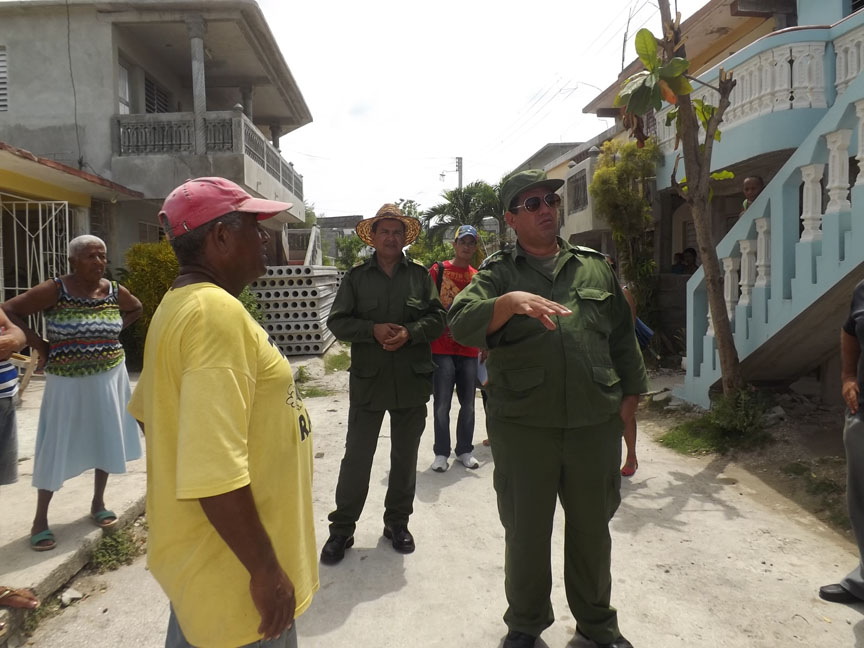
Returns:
<point x="836" y="593"/>
<point x="516" y="639"/>
<point x="620" y="642"/>
<point x="334" y="549"/>
<point x="401" y="537"/>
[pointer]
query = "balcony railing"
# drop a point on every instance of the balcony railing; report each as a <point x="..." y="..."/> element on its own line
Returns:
<point x="783" y="71"/>
<point x="226" y="132"/>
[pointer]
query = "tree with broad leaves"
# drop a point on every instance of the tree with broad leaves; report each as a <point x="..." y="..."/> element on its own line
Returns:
<point x="466" y="206"/>
<point x="665" y="77"/>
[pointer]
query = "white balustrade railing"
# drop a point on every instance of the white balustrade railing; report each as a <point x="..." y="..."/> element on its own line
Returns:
<point x="730" y="284"/>
<point x="782" y="78"/>
<point x="838" y="170"/>
<point x="849" y="49"/>
<point x="811" y="202"/>
<point x="763" y="251"/>
<point x="748" y="270"/>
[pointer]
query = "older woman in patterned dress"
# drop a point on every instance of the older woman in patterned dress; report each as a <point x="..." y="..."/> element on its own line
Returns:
<point x="83" y="422"/>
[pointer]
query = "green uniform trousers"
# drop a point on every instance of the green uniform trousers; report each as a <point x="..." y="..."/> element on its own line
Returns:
<point x="579" y="466"/>
<point x="364" y="426"/>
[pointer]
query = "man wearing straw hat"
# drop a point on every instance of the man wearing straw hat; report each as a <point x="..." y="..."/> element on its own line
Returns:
<point x="388" y="309"/>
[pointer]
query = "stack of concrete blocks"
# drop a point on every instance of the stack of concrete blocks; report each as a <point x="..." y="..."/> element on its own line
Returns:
<point x="296" y="301"/>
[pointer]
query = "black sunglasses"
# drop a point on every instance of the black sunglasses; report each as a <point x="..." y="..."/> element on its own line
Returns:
<point x="532" y="204"/>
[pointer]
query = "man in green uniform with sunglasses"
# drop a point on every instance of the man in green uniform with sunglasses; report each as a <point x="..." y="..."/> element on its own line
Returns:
<point x="565" y="373"/>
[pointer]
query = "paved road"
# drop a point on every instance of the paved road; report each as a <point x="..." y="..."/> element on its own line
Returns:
<point x="704" y="555"/>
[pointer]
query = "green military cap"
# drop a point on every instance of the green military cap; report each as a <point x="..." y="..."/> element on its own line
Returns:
<point x="524" y="181"/>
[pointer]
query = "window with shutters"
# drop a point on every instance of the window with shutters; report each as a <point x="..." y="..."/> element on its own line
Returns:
<point x="4" y="80"/>
<point x="577" y="191"/>
<point x="149" y="232"/>
<point x="857" y="4"/>
<point x="123" y="90"/>
<point x="155" y="98"/>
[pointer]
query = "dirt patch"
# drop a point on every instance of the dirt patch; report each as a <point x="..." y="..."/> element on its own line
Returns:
<point x="804" y="462"/>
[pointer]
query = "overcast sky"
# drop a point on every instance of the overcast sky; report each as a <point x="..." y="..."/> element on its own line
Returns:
<point x="398" y="89"/>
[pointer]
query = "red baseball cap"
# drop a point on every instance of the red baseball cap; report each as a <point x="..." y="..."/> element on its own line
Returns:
<point x="202" y="200"/>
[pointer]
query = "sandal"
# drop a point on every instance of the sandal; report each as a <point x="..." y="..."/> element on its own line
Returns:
<point x="104" y="518"/>
<point x="628" y="471"/>
<point x="42" y="536"/>
<point x="20" y="598"/>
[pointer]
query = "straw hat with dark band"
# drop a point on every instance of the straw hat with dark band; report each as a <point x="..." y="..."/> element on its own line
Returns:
<point x="412" y="225"/>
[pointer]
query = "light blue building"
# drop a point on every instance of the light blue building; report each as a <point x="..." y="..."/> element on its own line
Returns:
<point x="792" y="259"/>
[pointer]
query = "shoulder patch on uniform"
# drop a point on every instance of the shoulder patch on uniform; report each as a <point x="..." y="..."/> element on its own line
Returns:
<point x="581" y="249"/>
<point x="415" y="261"/>
<point x="359" y="263"/>
<point x="492" y="258"/>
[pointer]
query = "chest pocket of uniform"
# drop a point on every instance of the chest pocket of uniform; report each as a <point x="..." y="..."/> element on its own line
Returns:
<point x="414" y="309"/>
<point x="594" y="308"/>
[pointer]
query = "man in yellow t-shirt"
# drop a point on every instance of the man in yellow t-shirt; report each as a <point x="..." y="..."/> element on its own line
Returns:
<point x="229" y="447"/>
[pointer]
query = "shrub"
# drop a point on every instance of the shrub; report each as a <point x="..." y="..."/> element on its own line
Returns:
<point x="150" y="270"/>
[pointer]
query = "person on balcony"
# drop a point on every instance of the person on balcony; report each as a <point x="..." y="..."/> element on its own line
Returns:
<point x="83" y="422"/>
<point x="753" y="186"/>
<point x="565" y="374"/>
<point x="389" y="311"/>
<point x="851" y="588"/>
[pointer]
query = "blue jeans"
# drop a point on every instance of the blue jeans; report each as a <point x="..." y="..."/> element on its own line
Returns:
<point x="175" y="639"/>
<point x="461" y="372"/>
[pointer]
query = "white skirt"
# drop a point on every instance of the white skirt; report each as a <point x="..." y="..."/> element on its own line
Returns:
<point x="83" y="424"/>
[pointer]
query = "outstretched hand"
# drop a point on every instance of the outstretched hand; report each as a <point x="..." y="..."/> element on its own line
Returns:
<point x="520" y="302"/>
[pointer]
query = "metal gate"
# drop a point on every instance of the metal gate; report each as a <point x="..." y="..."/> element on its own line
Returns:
<point x="34" y="242"/>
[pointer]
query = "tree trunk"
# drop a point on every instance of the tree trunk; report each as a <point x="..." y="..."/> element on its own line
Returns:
<point x="697" y="162"/>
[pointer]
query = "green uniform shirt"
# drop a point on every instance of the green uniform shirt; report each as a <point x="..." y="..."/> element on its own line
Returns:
<point x="388" y="379"/>
<point x="571" y="377"/>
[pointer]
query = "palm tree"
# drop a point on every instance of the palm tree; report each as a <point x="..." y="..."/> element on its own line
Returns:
<point x="466" y="206"/>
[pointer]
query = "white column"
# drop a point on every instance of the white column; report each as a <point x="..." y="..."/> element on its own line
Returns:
<point x="838" y="170"/>
<point x="196" y="27"/>
<point x="748" y="270"/>
<point x="859" y="111"/>
<point x="782" y="79"/>
<point x="763" y="251"/>
<point x="766" y="68"/>
<point x="811" y="214"/>
<point x="730" y="284"/>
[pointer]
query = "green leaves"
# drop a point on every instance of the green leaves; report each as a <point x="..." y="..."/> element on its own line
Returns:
<point x="648" y="88"/>
<point x="646" y="49"/>
<point x="674" y="68"/>
<point x="725" y="174"/>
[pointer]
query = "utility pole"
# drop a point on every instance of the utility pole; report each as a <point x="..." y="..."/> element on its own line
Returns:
<point x="459" y="170"/>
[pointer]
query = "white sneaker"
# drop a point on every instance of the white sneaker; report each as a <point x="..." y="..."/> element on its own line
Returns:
<point x="468" y="460"/>
<point x="440" y="464"/>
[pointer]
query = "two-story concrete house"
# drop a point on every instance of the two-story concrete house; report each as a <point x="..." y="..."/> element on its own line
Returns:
<point x="145" y="95"/>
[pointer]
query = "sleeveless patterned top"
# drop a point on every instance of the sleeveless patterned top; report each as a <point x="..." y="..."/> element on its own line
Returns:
<point x="83" y="333"/>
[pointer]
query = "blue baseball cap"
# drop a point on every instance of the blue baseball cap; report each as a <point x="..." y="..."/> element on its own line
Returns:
<point x="466" y="230"/>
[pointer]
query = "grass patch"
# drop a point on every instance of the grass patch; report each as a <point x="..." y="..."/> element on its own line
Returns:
<point x="735" y="422"/>
<point x="795" y="469"/>
<point x="337" y="362"/>
<point x="302" y="376"/>
<point x="823" y="486"/>
<point x="115" y="550"/>
<point x="47" y="608"/>
<point x="314" y="392"/>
